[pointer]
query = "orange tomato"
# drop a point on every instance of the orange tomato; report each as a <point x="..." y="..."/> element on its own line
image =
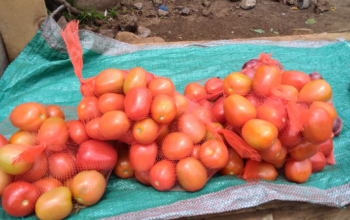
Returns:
<point x="177" y="145"/>
<point x="271" y="153"/>
<point x="77" y="131"/>
<point x="259" y="170"/>
<point x="238" y="110"/>
<point x="192" y="126"/>
<point x="163" y="109"/>
<point x="142" y="177"/>
<point x="88" y="109"/>
<point x="163" y="175"/>
<point x="37" y="171"/>
<point x="206" y="104"/>
<point x="145" y="131"/>
<point x="214" y="86"/>
<point x="303" y="150"/>
<point x="54" y="110"/>
<point x="137" y="77"/>
<point x="254" y="99"/>
<point x="266" y="78"/>
<point x="143" y="156"/>
<point x="7" y="155"/>
<point x="195" y="92"/>
<point x="326" y="106"/>
<point x="195" y="151"/>
<point x="235" y="163"/>
<point x="3" y="141"/>
<point x="161" y="86"/>
<point x="5" y="180"/>
<point x="237" y="83"/>
<point x="114" y="124"/>
<point x="123" y="168"/>
<point x="93" y="129"/>
<point x="181" y="104"/>
<point x="62" y="165"/>
<point x="296" y="79"/>
<point x="280" y="159"/>
<point x="109" y="81"/>
<point x="298" y="171"/>
<point x="273" y="113"/>
<point x="137" y="103"/>
<point x="23" y="138"/>
<point x="163" y="131"/>
<point x="46" y="184"/>
<point x="191" y="174"/>
<point x="54" y="133"/>
<point x="326" y="147"/>
<point x="110" y="102"/>
<point x="28" y="116"/>
<point x="318" y="162"/>
<point x="214" y="154"/>
<point x="289" y="137"/>
<point x="289" y="93"/>
<point x="316" y="90"/>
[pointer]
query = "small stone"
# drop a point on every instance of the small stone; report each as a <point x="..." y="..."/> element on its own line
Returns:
<point x="138" y="5"/>
<point x="163" y="13"/>
<point x="322" y="6"/>
<point x="150" y="14"/>
<point x="206" y="12"/>
<point x="107" y="32"/>
<point x="143" y="32"/>
<point x="248" y="4"/>
<point x="206" y="3"/>
<point x="303" y="4"/>
<point x="302" y="31"/>
<point x="127" y="37"/>
<point x="128" y="23"/>
<point x="185" y="11"/>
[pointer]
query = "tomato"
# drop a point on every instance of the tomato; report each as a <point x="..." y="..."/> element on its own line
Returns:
<point x="181" y="104"/>
<point x="195" y="151"/>
<point x="55" y="204"/>
<point x="28" y="116"/>
<point x="254" y="99"/>
<point x="296" y="79"/>
<point x="123" y="168"/>
<point x="149" y="77"/>
<point x="318" y="127"/>
<point x="161" y="86"/>
<point x="298" y="171"/>
<point x="88" y="109"/>
<point x="163" y="131"/>
<point x="47" y="184"/>
<point x="177" y="145"/>
<point x="266" y="78"/>
<point x="23" y="138"/>
<point x="303" y="150"/>
<point x="289" y="137"/>
<point x="143" y="156"/>
<point x="214" y="154"/>
<point x="238" y="110"/>
<point x="271" y="153"/>
<point x="19" y="198"/>
<point x="109" y="81"/>
<point x="3" y="141"/>
<point x="316" y="90"/>
<point x="137" y="103"/>
<point x="210" y="135"/>
<point x="68" y="183"/>
<point x="235" y="164"/>
<point x="145" y="131"/>
<point x="7" y="155"/>
<point x="37" y="171"/>
<point x="62" y="165"/>
<point x="54" y="110"/>
<point x="195" y="92"/>
<point x="88" y="187"/>
<point x="259" y="134"/>
<point x="163" y="175"/>
<point x="326" y="106"/>
<point x="114" y="124"/>
<point x="218" y="111"/>
<point x="203" y="114"/>
<point x="206" y="104"/>
<point x="191" y="174"/>
<point x="237" y="83"/>
<point x="137" y="77"/>
<point x="280" y="160"/>
<point x="54" y="133"/>
<point x="214" y="86"/>
<point x="273" y="113"/>
<point x="77" y="131"/>
<point x="87" y="88"/>
<point x="326" y="147"/>
<point x="318" y="162"/>
<point x="191" y="126"/>
<point x="5" y="180"/>
<point x="163" y="109"/>
<point x="143" y="178"/>
<point x="259" y="170"/>
<point x="288" y="93"/>
<point x="110" y="102"/>
<point x="93" y="130"/>
<point x="96" y="155"/>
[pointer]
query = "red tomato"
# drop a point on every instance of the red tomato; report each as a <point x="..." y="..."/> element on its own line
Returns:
<point x="93" y="129"/>
<point x="5" y="180"/>
<point x="214" y="154"/>
<point x="161" y="86"/>
<point x="214" y="135"/>
<point x="237" y="83"/>
<point x="326" y="147"/>
<point x="206" y="104"/>
<point x="19" y="198"/>
<point x="3" y="141"/>
<point x="88" y="109"/>
<point x="214" y="85"/>
<point x="123" y="168"/>
<point x="28" y="116"/>
<point x="191" y="126"/>
<point x="114" y="124"/>
<point x="318" y="162"/>
<point x="273" y="113"/>
<point x="296" y="79"/>
<point x="46" y="184"/>
<point x="110" y="102"/>
<point x="195" y="151"/>
<point x="288" y="93"/>
<point x="235" y="163"/>
<point x="271" y="153"/>
<point x="266" y="78"/>
<point x="149" y="77"/>
<point x="163" y="131"/>
<point x="23" y="138"/>
<point x="191" y="174"/>
<point x="37" y="171"/>
<point x="254" y="99"/>
<point x="289" y="137"/>
<point x="163" y="109"/>
<point x="96" y="155"/>
<point x="218" y="111"/>
<point x="195" y="92"/>
<point x="303" y="150"/>
<point x="316" y="90"/>
<point x="54" y="110"/>
<point x="54" y="133"/>
<point x="143" y="178"/>
<point x="280" y="160"/>
<point x="181" y="104"/>
<point x="109" y="81"/>
<point x="87" y="89"/>
<point x="326" y="106"/>
<point x="238" y="110"/>
<point x="145" y="131"/>
<point x="163" y="175"/>
<point x="77" y="131"/>
<point x="137" y="103"/>
<point x="143" y="156"/>
<point x="203" y="114"/>
<point x="177" y="145"/>
<point x="7" y="155"/>
<point x="298" y="171"/>
<point x="62" y="166"/>
<point x="137" y="77"/>
<point x="259" y="170"/>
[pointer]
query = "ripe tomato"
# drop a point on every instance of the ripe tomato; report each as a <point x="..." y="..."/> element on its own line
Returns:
<point x="149" y="77"/>
<point x="49" y="203"/>
<point x="137" y="77"/>
<point x="143" y="156"/>
<point x="109" y="81"/>
<point x="326" y="147"/>
<point x="93" y="129"/>
<point x="259" y="134"/>
<point x="235" y="164"/>
<point x="123" y="168"/>
<point x="54" y="110"/>
<point x="211" y="135"/>
<point x="161" y="86"/>
<point x="316" y="90"/>
<point x="318" y="162"/>
<point x="303" y="150"/>
<point x="326" y="106"/>
<point x="254" y="99"/>
<point x="203" y="114"/>
<point x="266" y="78"/>
<point x="3" y="141"/>
<point x="62" y="165"/>
<point x="206" y="104"/>
<point x="181" y="104"/>
<point x="163" y="131"/>
<point x="47" y="184"/>
<point x="195" y="151"/>
<point x="238" y="110"/>
<point x="296" y="79"/>
<point x="237" y="83"/>
<point x="96" y="155"/>
<point x="271" y="153"/>
<point x="77" y="131"/>
<point x="289" y="137"/>
<point x="195" y="92"/>
<point x="114" y="124"/>
<point x="214" y="154"/>
<point x="177" y="145"/>
<point x="191" y="174"/>
<point x="192" y="126"/>
<point x="110" y="102"/>
<point x="163" y="175"/>
<point x="7" y="155"/>
<point x="88" y="109"/>
<point x="37" y="171"/>
<point x="87" y="89"/>
<point x="145" y="131"/>
<point x="54" y="133"/>
<point x="143" y="177"/>
<point x="273" y="113"/>
<point x="5" y="180"/>
<point x="88" y="187"/>
<point x="137" y="103"/>
<point x="288" y="93"/>
<point x="68" y="183"/>
<point x="218" y="111"/>
<point x="23" y="138"/>
<point x="318" y="127"/>
<point x="19" y="198"/>
<point x="298" y="171"/>
<point x="28" y="116"/>
<point x="163" y="109"/>
<point x="214" y="86"/>
<point x="259" y="170"/>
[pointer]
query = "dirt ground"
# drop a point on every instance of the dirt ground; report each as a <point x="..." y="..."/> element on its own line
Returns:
<point x="228" y="21"/>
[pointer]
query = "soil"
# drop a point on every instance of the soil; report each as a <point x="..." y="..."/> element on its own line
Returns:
<point x="227" y="20"/>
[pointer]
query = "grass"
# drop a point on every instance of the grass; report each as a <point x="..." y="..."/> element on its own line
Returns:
<point x="113" y="12"/>
<point x="87" y="16"/>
